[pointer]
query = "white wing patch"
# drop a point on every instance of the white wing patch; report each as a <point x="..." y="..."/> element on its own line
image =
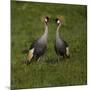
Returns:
<point x="30" y="54"/>
<point x="67" y="51"/>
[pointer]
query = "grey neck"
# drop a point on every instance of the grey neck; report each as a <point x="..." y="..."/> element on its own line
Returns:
<point x="57" y="32"/>
<point x="45" y="34"/>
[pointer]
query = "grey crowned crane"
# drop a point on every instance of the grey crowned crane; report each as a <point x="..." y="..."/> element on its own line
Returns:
<point x="61" y="46"/>
<point x="38" y="47"/>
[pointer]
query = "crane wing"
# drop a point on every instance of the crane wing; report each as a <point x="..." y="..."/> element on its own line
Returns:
<point x="30" y="54"/>
<point x="34" y="43"/>
<point x="67" y="49"/>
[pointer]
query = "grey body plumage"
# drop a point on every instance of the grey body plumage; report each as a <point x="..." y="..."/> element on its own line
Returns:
<point x="39" y="45"/>
<point x="39" y="48"/>
<point x="61" y="46"/>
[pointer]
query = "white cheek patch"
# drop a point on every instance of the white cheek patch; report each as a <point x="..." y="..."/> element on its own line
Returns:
<point x="45" y="20"/>
<point x="58" y="21"/>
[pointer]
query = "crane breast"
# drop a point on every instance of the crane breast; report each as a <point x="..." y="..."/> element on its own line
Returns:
<point x="60" y="47"/>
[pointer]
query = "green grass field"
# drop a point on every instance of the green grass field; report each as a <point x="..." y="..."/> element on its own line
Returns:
<point x="26" y="26"/>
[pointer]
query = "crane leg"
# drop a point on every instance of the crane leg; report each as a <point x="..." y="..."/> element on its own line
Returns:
<point x="58" y="58"/>
<point x="38" y="59"/>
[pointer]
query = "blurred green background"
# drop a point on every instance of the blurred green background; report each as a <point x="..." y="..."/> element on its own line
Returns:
<point x="26" y="26"/>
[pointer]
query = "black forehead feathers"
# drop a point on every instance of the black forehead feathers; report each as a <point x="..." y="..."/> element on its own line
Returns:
<point x="56" y="19"/>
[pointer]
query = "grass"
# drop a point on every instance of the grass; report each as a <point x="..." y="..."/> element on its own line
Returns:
<point x="26" y="26"/>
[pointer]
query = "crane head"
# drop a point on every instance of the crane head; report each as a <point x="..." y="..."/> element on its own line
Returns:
<point x="58" y="21"/>
<point x="46" y="19"/>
